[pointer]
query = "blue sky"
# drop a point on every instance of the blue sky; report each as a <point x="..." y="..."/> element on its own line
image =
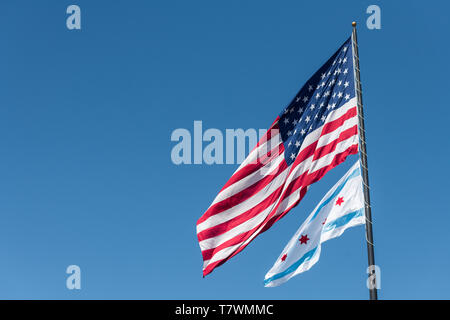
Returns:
<point x="86" y="118"/>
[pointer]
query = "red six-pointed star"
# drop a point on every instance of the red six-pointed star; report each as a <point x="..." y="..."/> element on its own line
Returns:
<point x="304" y="239"/>
<point x="339" y="201"/>
<point x="284" y="257"/>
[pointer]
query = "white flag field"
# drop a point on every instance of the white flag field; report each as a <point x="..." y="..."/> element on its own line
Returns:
<point x="341" y="208"/>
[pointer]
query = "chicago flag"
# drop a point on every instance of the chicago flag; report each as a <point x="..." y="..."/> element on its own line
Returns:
<point x="312" y="135"/>
<point x="341" y="208"/>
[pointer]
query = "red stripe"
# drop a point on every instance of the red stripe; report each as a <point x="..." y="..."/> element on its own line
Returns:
<point x="329" y="148"/>
<point x="335" y="124"/>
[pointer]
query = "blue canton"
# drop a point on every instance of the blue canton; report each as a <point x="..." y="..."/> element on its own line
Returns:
<point x="327" y="90"/>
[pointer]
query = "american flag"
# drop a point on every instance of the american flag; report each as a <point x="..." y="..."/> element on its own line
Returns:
<point x="312" y="135"/>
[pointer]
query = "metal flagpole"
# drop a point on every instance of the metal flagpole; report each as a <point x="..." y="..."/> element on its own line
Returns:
<point x="365" y="175"/>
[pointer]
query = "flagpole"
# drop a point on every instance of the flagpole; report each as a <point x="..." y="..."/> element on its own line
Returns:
<point x="365" y="173"/>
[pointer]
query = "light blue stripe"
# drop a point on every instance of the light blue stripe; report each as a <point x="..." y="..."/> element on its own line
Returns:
<point x="355" y="173"/>
<point x="307" y="256"/>
<point x="342" y="221"/>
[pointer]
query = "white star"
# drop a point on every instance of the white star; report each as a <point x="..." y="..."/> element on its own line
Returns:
<point x="346" y="84"/>
<point x="339" y="95"/>
<point x="333" y="105"/>
<point x="322" y="76"/>
<point x="300" y="110"/>
<point x="312" y="107"/>
<point x="329" y="107"/>
<point x="295" y="122"/>
<point x="347" y="96"/>
<point x="338" y="71"/>
<point x="289" y="133"/>
<point x="346" y="71"/>
<point x="345" y="60"/>
<point x="286" y="120"/>
<point x="326" y="94"/>
<point x="310" y="88"/>
<point x="289" y="144"/>
<point x="334" y="95"/>
<point x="303" y="132"/>
<point x="323" y="84"/>
<point x="323" y="118"/>
<point x="292" y="156"/>
<point x="305" y="98"/>
<point x="345" y="49"/>
<point x="297" y="99"/>
<point x="340" y="82"/>
<point x="291" y="110"/>
<point x="318" y="96"/>
<point x="322" y="105"/>
<point x="297" y="144"/>
<point x="308" y="119"/>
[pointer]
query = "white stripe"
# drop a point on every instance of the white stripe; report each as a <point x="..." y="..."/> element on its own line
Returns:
<point x="337" y="113"/>
<point x="340" y="147"/>
<point x="327" y="138"/>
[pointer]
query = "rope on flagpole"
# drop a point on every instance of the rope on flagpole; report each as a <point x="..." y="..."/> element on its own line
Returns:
<point x="367" y="240"/>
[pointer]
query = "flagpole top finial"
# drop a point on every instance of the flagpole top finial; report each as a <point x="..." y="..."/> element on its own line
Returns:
<point x="354" y="23"/>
